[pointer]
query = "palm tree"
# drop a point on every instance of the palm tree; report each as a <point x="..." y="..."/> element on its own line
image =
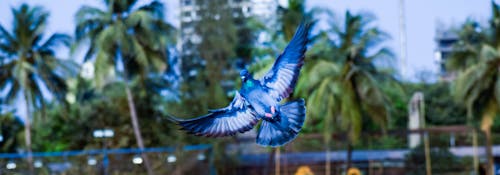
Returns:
<point x="293" y="15"/>
<point x="471" y="37"/>
<point x="125" y="38"/>
<point x="30" y="64"/>
<point x="477" y="85"/>
<point x="342" y="81"/>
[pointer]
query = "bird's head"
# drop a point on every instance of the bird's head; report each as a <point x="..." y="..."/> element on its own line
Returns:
<point x="245" y="75"/>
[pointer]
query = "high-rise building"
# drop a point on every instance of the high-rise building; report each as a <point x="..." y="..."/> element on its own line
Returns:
<point x="445" y="40"/>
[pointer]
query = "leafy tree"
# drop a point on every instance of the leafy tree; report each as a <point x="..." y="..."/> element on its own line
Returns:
<point x="467" y="49"/>
<point x="127" y="39"/>
<point x="107" y="109"/>
<point x="293" y="15"/>
<point x="30" y="64"/>
<point x="342" y="82"/>
<point x="443" y="109"/>
<point x="217" y="26"/>
<point x="477" y="86"/>
<point x="215" y="64"/>
<point x="10" y="127"/>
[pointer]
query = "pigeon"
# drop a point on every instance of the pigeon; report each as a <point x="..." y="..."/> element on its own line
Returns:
<point x="259" y="100"/>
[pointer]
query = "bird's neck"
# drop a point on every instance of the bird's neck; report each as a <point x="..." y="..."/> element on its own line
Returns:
<point x="250" y="83"/>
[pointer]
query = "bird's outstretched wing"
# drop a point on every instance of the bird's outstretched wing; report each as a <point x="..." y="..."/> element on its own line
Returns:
<point x="282" y="77"/>
<point x="221" y="122"/>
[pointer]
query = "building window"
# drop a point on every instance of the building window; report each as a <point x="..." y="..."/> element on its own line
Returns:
<point x="236" y="12"/>
<point x="186" y="14"/>
<point x="187" y="2"/>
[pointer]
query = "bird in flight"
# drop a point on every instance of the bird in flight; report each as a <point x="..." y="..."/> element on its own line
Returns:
<point x="259" y="100"/>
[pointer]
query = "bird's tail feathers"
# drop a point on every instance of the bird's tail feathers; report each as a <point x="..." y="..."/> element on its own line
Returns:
<point x="279" y="133"/>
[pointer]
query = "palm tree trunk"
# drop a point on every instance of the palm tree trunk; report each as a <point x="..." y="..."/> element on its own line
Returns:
<point x="486" y="123"/>
<point x="137" y="130"/>
<point x="27" y="134"/>
<point x="489" y="152"/>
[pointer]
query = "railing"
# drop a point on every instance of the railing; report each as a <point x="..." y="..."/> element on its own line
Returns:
<point x="165" y="160"/>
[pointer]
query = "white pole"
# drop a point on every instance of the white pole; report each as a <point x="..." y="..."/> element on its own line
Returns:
<point x="402" y="40"/>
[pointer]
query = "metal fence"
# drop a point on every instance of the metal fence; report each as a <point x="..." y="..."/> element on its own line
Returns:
<point x="451" y="151"/>
<point x="165" y="160"/>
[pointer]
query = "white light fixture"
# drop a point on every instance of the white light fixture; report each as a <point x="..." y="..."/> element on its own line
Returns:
<point x="201" y="156"/>
<point x="11" y="165"/>
<point x="38" y="164"/>
<point x="91" y="161"/>
<point x="137" y="160"/>
<point x="108" y="133"/>
<point x="100" y="133"/>
<point x="171" y="159"/>
<point x="1" y="138"/>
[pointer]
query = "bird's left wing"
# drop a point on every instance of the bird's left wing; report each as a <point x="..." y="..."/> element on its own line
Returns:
<point x="282" y="77"/>
<point x="221" y="122"/>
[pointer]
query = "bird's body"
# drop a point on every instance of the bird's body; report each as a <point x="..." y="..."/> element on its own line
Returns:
<point x="259" y="100"/>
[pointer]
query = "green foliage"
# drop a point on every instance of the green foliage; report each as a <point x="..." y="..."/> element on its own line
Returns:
<point x="476" y="86"/>
<point x="343" y="82"/>
<point x="71" y="128"/>
<point x="10" y="129"/>
<point x="122" y="34"/>
<point x="442" y="109"/>
<point x="293" y="15"/>
<point x="29" y="66"/>
<point x="471" y="37"/>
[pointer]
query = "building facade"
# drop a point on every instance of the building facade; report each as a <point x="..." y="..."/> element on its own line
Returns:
<point x="190" y="16"/>
<point x="445" y="41"/>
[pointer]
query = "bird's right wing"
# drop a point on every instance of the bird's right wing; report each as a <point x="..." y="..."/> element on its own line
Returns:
<point x="221" y="122"/>
<point x="283" y="76"/>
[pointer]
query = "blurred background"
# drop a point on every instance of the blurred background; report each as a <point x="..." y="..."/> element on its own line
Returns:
<point x="391" y="87"/>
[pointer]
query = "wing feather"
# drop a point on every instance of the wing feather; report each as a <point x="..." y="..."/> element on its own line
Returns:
<point x="282" y="77"/>
<point x="221" y="122"/>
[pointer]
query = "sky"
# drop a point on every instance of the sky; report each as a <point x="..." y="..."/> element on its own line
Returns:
<point x="422" y="18"/>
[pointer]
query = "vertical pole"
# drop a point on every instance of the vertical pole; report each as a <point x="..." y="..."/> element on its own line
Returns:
<point x="211" y="161"/>
<point x="105" y="160"/>
<point x="402" y="39"/>
<point x="277" y="161"/>
<point x="428" y="167"/>
<point x="475" y="160"/>
<point x="327" y="161"/>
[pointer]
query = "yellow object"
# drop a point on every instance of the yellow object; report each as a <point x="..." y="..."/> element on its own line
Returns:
<point x="304" y="170"/>
<point x="353" y="171"/>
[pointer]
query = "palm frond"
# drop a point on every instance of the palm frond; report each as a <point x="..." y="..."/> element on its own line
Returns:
<point x="55" y="40"/>
<point x="155" y="8"/>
